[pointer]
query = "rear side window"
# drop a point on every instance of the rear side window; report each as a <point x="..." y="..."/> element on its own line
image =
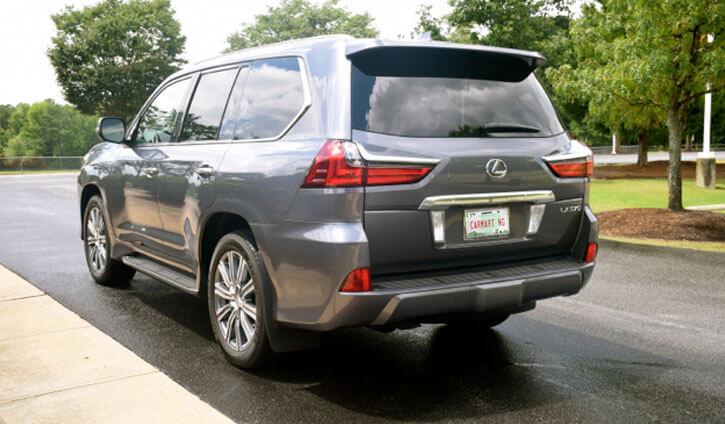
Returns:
<point x="161" y="119"/>
<point x="268" y="101"/>
<point x="204" y="117"/>
<point x="451" y="107"/>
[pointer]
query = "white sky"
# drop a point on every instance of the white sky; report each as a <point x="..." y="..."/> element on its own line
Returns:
<point x="26" y="74"/>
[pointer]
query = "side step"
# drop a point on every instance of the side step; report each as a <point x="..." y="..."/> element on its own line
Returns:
<point x="162" y="273"/>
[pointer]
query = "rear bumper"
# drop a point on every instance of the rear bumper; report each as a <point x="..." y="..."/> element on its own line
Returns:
<point x="390" y="307"/>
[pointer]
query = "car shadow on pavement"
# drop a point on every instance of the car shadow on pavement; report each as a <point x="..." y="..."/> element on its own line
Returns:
<point x="451" y="373"/>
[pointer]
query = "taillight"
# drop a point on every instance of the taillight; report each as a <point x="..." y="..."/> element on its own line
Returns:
<point x="578" y="168"/>
<point x="357" y="281"/>
<point x="339" y="164"/>
<point x="591" y="253"/>
<point x="575" y="162"/>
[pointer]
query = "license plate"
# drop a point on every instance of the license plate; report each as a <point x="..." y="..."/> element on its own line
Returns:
<point x="481" y="223"/>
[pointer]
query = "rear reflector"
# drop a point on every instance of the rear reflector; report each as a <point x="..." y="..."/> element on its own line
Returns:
<point x="582" y="168"/>
<point x="357" y="281"/>
<point x="339" y="164"/>
<point x="591" y="253"/>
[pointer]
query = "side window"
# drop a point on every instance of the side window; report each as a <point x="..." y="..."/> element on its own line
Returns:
<point x="207" y="106"/>
<point x="161" y="119"/>
<point x="271" y="98"/>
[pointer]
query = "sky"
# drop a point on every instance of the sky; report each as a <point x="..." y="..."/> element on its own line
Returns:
<point x="26" y="74"/>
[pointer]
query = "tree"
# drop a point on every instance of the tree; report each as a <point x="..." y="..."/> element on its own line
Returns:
<point x="657" y="59"/>
<point x="571" y="84"/>
<point x="49" y="129"/>
<point x="109" y="57"/>
<point x="299" y="19"/>
<point x="429" y="23"/>
<point x="5" y="112"/>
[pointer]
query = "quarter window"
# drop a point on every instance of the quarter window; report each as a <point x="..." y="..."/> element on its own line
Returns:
<point x="161" y="119"/>
<point x="207" y="106"/>
<point x="271" y="98"/>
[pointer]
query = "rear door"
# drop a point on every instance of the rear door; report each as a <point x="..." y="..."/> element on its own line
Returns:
<point x="491" y="197"/>
<point x="187" y="167"/>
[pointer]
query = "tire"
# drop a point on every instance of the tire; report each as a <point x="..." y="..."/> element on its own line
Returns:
<point x="481" y="322"/>
<point x="96" y="246"/>
<point x="235" y="297"/>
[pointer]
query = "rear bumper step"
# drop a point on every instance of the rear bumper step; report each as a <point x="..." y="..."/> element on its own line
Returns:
<point x="418" y="297"/>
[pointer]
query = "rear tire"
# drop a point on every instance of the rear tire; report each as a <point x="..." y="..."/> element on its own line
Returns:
<point x="97" y="247"/>
<point x="235" y="297"/>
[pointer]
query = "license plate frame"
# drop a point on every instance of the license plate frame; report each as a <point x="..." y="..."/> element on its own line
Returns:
<point x="486" y="223"/>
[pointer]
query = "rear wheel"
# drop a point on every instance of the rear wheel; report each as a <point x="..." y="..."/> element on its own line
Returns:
<point x="236" y="301"/>
<point x="96" y="240"/>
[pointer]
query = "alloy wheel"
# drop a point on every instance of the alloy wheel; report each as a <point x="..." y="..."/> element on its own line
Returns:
<point x="235" y="300"/>
<point x="96" y="240"/>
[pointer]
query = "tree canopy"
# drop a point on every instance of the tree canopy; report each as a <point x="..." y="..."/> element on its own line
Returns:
<point x="109" y="57"/>
<point x="644" y="62"/>
<point x="299" y="19"/>
<point x="46" y="129"/>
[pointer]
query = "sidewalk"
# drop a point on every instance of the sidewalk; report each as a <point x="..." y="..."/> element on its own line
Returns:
<point x="56" y="368"/>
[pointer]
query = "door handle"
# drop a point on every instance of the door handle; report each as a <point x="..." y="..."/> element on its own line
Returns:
<point x="150" y="171"/>
<point x="204" y="171"/>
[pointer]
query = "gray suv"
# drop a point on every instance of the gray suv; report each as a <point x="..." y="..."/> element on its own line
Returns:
<point x="332" y="182"/>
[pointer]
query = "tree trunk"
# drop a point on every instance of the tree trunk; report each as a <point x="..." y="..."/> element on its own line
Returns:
<point x="688" y="142"/>
<point x="617" y="141"/>
<point x="674" y="173"/>
<point x="642" y="149"/>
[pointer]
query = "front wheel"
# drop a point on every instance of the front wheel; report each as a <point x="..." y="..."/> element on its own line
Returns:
<point x="236" y="301"/>
<point x="96" y="239"/>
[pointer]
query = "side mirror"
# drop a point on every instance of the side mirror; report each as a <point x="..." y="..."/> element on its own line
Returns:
<point x="111" y="129"/>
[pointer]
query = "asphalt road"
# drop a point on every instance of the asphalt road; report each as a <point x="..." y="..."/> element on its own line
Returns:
<point x="644" y="341"/>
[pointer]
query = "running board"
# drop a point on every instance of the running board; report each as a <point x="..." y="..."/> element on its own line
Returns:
<point x="162" y="273"/>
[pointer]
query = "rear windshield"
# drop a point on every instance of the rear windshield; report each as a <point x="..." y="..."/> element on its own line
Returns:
<point x="451" y="107"/>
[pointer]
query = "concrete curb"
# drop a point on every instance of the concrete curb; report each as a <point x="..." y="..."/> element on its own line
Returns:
<point x="56" y="367"/>
<point x="617" y="244"/>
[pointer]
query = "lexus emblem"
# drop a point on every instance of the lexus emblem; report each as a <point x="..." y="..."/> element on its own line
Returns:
<point x="496" y="168"/>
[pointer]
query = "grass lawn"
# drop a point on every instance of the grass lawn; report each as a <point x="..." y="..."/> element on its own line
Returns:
<point x="607" y="195"/>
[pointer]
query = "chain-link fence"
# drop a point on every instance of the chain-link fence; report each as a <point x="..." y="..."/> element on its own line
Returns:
<point x="13" y="164"/>
<point x="633" y="148"/>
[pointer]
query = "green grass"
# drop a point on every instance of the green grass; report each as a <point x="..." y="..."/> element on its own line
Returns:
<point x="607" y="195"/>
<point x="37" y="171"/>
<point x="710" y="246"/>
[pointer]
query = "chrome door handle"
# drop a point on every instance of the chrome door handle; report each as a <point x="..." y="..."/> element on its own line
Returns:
<point x="150" y="171"/>
<point x="204" y="171"/>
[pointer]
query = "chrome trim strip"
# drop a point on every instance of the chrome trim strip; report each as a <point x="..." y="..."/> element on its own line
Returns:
<point x="477" y="199"/>
<point x="374" y="158"/>
<point x="566" y="157"/>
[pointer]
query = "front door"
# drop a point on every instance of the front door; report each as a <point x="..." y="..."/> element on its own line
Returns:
<point x="141" y="224"/>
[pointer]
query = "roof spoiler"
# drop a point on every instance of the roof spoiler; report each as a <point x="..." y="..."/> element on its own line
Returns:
<point x="447" y="60"/>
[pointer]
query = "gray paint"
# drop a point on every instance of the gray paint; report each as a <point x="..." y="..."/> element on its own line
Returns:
<point x="310" y="239"/>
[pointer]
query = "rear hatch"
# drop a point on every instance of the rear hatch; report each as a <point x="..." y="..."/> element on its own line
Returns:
<point x="483" y="125"/>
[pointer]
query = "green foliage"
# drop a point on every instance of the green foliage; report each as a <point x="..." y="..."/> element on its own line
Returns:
<point x="642" y="63"/>
<point x="47" y="129"/>
<point x="109" y="57"/>
<point x="429" y="23"/>
<point x="299" y="19"/>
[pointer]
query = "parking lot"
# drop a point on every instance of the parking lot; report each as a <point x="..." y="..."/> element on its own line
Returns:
<point x="644" y="341"/>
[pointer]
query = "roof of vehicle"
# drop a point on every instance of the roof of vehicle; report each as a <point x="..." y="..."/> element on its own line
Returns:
<point x="351" y="46"/>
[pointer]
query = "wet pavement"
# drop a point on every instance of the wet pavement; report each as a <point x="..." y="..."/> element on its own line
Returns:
<point x="644" y="341"/>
